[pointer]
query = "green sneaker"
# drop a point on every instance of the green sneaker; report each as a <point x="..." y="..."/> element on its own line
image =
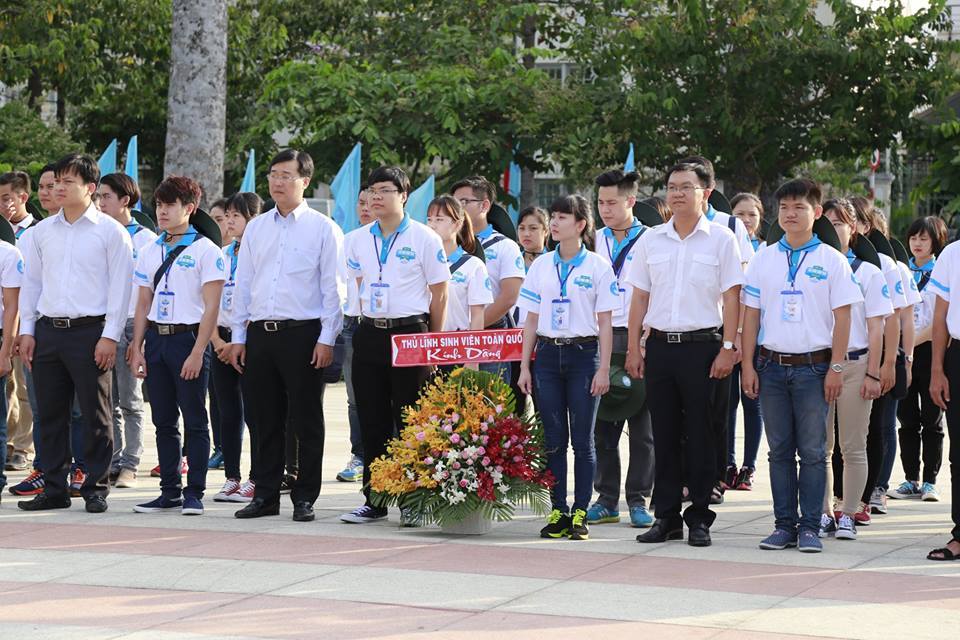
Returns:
<point x="558" y="523"/>
<point x="578" y="528"/>
<point x="599" y="514"/>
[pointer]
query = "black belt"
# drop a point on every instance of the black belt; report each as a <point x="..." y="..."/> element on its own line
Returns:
<point x="792" y="359"/>
<point x="172" y="329"/>
<point x="619" y="330"/>
<point x="856" y="355"/>
<point x="561" y="342"/>
<point x="393" y="323"/>
<point x="502" y="323"/>
<point x="225" y="333"/>
<point x="676" y="337"/>
<point x="70" y="323"/>
<point x="270" y="326"/>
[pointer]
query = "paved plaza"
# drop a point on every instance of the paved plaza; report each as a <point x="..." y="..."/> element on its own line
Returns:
<point x="70" y="574"/>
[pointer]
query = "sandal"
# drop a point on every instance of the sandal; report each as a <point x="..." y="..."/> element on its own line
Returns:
<point x="945" y="554"/>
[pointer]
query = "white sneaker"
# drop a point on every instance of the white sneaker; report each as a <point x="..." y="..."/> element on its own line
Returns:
<point x="244" y="493"/>
<point x="878" y="501"/>
<point x="929" y="493"/>
<point x="127" y="479"/>
<point x="846" y="528"/>
<point x="229" y="488"/>
<point x="827" y="526"/>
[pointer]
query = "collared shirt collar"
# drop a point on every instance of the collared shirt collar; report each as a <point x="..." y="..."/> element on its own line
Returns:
<point x="375" y="228"/>
<point x="851" y="256"/>
<point x="92" y="214"/>
<point x="814" y="242"/>
<point x="616" y="246"/>
<point x="711" y="212"/>
<point x="703" y="224"/>
<point x="927" y="267"/>
<point x="185" y="240"/>
<point x="486" y="233"/>
<point x="24" y="222"/>
<point x="295" y="214"/>
<point x="456" y="255"/>
<point x="576" y="261"/>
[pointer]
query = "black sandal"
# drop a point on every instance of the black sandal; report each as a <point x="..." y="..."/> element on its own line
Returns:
<point x="945" y="554"/>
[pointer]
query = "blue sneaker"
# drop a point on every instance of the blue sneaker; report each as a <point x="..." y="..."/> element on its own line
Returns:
<point x="353" y="472"/>
<point x="780" y="539"/>
<point x="929" y="493"/>
<point x="599" y="514"/>
<point x="191" y="506"/>
<point x="640" y="518"/>
<point x="158" y="505"/>
<point x="216" y="460"/>
<point x="809" y="542"/>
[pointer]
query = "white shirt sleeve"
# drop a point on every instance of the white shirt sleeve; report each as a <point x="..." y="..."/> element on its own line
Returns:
<point x="212" y="265"/>
<point x="530" y="291"/>
<point x="939" y="277"/>
<point x="751" y="288"/>
<point x="843" y="288"/>
<point x="875" y="303"/>
<point x="608" y="289"/>
<point x="479" y="288"/>
<point x="639" y="274"/>
<point x="331" y="314"/>
<point x="241" y="297"/>
<point x="119" y="272"/>
<point x="435" y="267"/>
<point x="731" y="264"/>
<point x="11" y="275"/>
<point x="32" y="282"/>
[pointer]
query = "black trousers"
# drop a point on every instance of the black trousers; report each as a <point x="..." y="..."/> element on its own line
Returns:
<point x="680" y="395"/>
<point x="921" y="422"/>
<point x="63" y="365"/>
<point x="281" y="391"/>
<point x="381" y="390"/>
<point x="952" y="369"/>
<point x="720" y="405"/>
<point x="228" y="398"/>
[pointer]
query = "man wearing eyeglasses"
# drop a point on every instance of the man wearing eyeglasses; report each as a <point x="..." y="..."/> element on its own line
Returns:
<point x="287" y="315"/>
<point x="502" y="255"/>
<point x="682" y="271"/>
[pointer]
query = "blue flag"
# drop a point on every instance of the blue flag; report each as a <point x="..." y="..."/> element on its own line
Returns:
<point x="249" y="184"/>
<point x="108" y="161"/>
<point x="512" y="187"/>
<point x="132" y="166"/>
<point x="630" y="164"/>
<point x="419" y="200"/>
<point x="345" y="189"/>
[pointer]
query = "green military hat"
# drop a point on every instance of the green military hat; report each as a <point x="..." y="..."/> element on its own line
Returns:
<point x="144" y="220"/>
<point x="899" y="250"/>
<point x="35" y="211"/>
<point x="864" y="249"/>
<point x="647" y="214"/>
<point x="821" y="226"/>
<point x="500" y="220"/>
<point x="206" y="226"/>
<point x="719" y="202"/>
<point x="882" y="244"/>
<point x="7" y="233"/>
<point x="626" y="396"/>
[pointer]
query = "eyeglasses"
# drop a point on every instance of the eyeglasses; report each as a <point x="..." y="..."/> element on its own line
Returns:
<point x="381" y="193"/>
<point x="684" y="190"/>
<point x="465" y="201"/>
<point x="282" y="177"/>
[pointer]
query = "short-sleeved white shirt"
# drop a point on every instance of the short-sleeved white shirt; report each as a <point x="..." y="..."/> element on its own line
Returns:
<point x="503" y="259"/>
<point x="198" y="264"/>
<point x="140" y="236"/>
<point x="352" y="305"/>
<point x="609" y="249"/>
<point x="686" y="278"/>
<point x="11" y="271"/>
<point x="231" y="255"/>
<point x="907" y="285"/>
<point x="591" y="288"/>
<point x="945" y="279"/>
<point x="469" y="286"/>
<point x="876" y="303"/>
<point x="826" y="282"/>
<point x="413" y="259"/>
<point x="739" y="229"/>
<point x="923" y="310"/>
<point x="891" y="274"/>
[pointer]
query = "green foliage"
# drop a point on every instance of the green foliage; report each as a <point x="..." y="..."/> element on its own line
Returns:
<point x="938" y="138"/>
<point x="26" y="142"/>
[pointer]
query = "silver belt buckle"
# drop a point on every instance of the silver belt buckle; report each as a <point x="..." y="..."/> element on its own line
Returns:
<point x="270" y="325"/>
<point x="673" y="338"/>
<point x="165" y="329"/>
<point x="781" y="362"/>
<point x="61" y="323"/>
<point x="381" y="323"/>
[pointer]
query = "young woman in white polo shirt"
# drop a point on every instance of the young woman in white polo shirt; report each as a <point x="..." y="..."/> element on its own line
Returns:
<point x="921" y="421"/>
<point x="861" y="376"/>
<point x="569" y="295"/>
<point x="470" y="290"/>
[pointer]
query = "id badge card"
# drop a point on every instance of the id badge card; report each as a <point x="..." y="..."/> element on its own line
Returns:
<point x="226" y="302"/>
<point x="379" y="297"/>
<point x="791" y="306"/>
<point x="560" y="315"/>
<point x="623" y="301"/>
<point x="165" y="306"/>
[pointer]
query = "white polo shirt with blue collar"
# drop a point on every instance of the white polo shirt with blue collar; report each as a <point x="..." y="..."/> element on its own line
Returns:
<point x="923" y="310"/>
<point x="503" y="258"/>
<point x="876" y="302"/>
<point x="567" y="295"/>
<point x="140" y="237"/>
<point x="609" y="248"/>
<point x="945" y="279"/>
<point x="797" y="291"/>
<point x="396" y="271"/>
<point x="11" y="271"/>
<point x="469" y="286"/>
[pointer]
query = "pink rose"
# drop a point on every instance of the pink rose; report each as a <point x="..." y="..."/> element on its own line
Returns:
<point x="485" y="462"/>
<point x="428" y="460"/>
<point x="481" y="451"/>
<point x="448" y="429"/>
<point x="455" y="465"/>
<point x="455" y="438"/>
<point x="421" y="435"/>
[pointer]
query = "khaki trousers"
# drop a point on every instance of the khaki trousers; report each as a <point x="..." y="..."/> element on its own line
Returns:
<point x="853" y="418"/>
<point x="19" y="414"/>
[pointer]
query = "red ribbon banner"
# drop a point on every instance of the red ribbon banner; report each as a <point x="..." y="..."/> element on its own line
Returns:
<point x="460" y="347"/>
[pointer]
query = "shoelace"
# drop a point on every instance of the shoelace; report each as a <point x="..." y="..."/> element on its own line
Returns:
<point x="34" y="476"/>
<point x="555" y="516"/>
<point x="578" y="517"/>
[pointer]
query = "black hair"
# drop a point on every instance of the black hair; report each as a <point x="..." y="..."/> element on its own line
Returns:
<point x="17" y="180"/>
<point x="481" y="187"/>
<point x="626" y="183"/>
<point x="934" y="227"/>
<point x="801" y="189"/>
<point x="246" y="203"/>
<point x="52" y="167"/>
<point x="395" y="175"/>
<point x="82" y="166"/>
<point x="660" y="205"/>
<point x="577" y="206"/>
<point x="704" y="175"/>
<point x="707" y="168"/>
<point x="122" y="185"/>
<point x="302" y="158"/>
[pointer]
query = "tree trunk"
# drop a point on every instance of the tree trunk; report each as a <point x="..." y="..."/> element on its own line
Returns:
<point x="197" y="104"/>
<point x="528" y="194"/>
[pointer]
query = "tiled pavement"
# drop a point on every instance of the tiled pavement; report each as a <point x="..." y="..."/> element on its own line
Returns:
<point x="69" y="574"/>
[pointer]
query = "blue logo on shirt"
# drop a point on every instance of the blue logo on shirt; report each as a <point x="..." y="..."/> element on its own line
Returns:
<point x="220" y="264"/>
<point x="885" y="291"/>
<point x="459" y="277"/>
<point x="491" y="254"/>
<point x="406" y="254"/>
<point x="614" y="288"/>
<point x="816" y="272"/>
<point x="20" y="266"/>
<point x="899" y="288"/>
<point x="488" y="284"/>
<point x="584" y="282"/>
<point x="519" y="262"/>
<point x="440" y="256"/>
<point x="187" y="262"/>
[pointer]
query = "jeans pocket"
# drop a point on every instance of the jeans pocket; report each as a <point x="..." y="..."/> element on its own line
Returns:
<point x="820" y="369"/>
<point x="761" y="363"/>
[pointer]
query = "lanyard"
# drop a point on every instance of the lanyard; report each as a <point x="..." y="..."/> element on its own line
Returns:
<point x="191" y="236"/>
<point x="233" y="251"/>
<point x="617" y="248"/>
<point x="793" y="271"/>
<point x="383" y="256"/>
<point x="563" y="280"/>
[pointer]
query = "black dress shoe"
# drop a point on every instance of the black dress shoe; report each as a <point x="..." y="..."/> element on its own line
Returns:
<point x="699" y="536"/>
<point x="258" y="508"/>
<point x="96" y="504"/>
<point x="43" y="502"/>
<point x="661" y="531"/>
<point x="302" y="512"/>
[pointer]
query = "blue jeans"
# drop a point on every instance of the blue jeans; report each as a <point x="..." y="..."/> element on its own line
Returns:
<point x="349" y="327"/>
<point x="562" y="376"/>
<point x="795" y="414"/>
<point x="752" y="424"/>
<point x="3" y="431"/>
<point x="889" y="438"/>
<point x="169" y="396"/>
<point x="501" y="369"/>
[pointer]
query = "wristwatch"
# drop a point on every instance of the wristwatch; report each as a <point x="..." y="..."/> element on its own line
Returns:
<point x="727" y="345"/>
<point x="908" y="358"/>
<point x="837" y="367"/>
